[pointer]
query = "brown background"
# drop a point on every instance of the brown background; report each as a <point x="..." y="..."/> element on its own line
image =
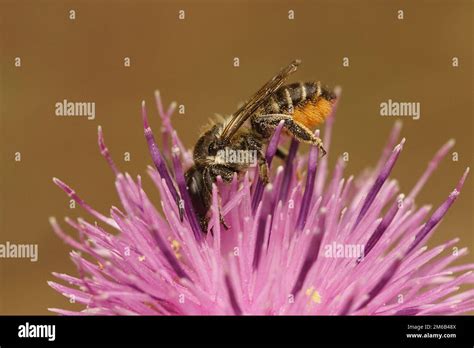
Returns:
<point x="190" y="61"/>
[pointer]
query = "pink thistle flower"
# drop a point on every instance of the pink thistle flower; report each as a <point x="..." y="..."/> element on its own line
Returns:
<point x="281" y="252"/>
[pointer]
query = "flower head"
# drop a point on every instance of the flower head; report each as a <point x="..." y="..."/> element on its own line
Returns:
<point x="303" y="244"/>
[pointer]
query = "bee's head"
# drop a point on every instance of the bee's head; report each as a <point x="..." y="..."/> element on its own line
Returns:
<point x="215" y="146"/>
<point x="209" y="144"/>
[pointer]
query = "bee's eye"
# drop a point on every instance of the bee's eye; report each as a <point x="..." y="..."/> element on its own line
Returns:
<point x="212" y="149"/>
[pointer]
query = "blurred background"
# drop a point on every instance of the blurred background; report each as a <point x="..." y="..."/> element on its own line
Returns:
<point x="191" y="61"/>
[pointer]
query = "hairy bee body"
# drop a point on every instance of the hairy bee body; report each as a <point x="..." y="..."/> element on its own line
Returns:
<point x="296" y="95"/>
<point x="208" y="166"/>
<point x="301" y="107"/>
<point x="306" y="102"/>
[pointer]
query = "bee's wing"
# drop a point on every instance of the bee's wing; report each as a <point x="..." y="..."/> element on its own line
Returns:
<point x="256" y="101"/>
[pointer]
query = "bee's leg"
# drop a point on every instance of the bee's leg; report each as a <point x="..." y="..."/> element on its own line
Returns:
<point x="281" y="153"/>
<point x="266" y="124"/>
<point x="262" y="167"/>
<point x="298" y="130"/>
<point x="179" y="202"/>
<point x="222" y="220"/>
<point x="205" y="198"/>
<point x="304" y="134"/>
<point x="203" y="222"/>
<point x="210" y="176"/>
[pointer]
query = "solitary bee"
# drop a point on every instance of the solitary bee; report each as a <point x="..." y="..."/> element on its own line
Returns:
<point x="301" y="106"/>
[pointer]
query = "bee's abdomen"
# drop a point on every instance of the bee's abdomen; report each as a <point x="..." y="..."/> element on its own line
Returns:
<point x="288" y="97"/>
<point x="307" y="102"/>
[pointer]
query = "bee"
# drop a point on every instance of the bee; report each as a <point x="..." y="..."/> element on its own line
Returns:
<point x="301" y="107"/>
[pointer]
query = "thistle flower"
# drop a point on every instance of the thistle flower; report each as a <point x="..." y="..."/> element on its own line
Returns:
<point x="281" y="252"/>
